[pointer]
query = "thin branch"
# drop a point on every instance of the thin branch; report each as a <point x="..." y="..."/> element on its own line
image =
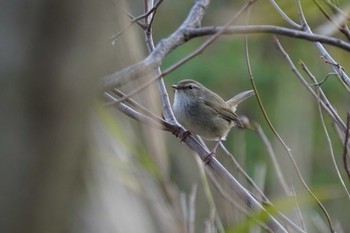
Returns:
<point x="263" y="109"/>
<point x="136" y="20"/>
<point x="209" y="195"/>
<point x="191" y="55"/>
<point x="285" y="221"/>
<point x="342" y="16"/>
<point x="167" y="110"/>
<point x="154" y="11"/>
<point x="155" y="58"/>
<point x="186" y="32"/>
<point x="284" y="16"/>
<point x="331" y="151"/>
<point x="142" y="109"/>
<point x="257" y="128"/>
<point x="284" y="53"/>
<point x="337" y="9"/>
<point x="272" y="224"/>
<point x="299" y="214"/>
<point x="326" y="105"/>
<point x="342" y="28"/>
<point x="330" y="144"/>
<point x="320" y="47"/>
<point x="135" y="114"/>
<point x="251" y="29"/>
<point x="346" y="152"/>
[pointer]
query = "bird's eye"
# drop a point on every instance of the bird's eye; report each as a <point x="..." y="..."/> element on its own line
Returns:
<point x="190" y="86"/>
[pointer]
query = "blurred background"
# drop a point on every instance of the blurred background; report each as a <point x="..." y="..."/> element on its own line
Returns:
<point x="70" y="164"/>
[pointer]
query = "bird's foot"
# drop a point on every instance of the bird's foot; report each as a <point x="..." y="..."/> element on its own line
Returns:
<point x="208" y="158"/>
<point x="180" y="133"/>
<point x="184" y="134"/>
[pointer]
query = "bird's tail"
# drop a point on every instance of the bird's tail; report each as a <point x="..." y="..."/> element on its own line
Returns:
<point x="237" y="99"/>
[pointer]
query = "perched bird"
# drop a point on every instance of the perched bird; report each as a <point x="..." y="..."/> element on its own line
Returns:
<point x="203" y="112"/>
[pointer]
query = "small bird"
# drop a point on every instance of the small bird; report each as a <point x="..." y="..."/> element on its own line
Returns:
<point x="203" y="112"/>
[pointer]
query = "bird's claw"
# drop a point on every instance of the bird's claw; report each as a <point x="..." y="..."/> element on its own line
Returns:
<point x="207" y="158"/>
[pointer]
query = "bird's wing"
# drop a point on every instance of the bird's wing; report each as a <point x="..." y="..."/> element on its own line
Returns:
<point x="224" y="111"/>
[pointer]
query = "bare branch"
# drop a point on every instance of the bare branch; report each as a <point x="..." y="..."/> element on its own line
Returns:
<point x="342" y="28"/>
<point x="346" y="152"/>
<point x="284" y="220"/>
<point x="251" y="29"/>
<point x="155" y="58"/>
<point x="135" y="115"/>
<point x="329" y="141"/>
<point x="191" y="55"/>
<point x="284" y="15"/>
<point x="167" y="110"/>
<point x="326" y="105"/>
<point x="320" y="47"/>
<point x="285" y="54"/>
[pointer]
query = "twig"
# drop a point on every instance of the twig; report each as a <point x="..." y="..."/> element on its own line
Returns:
<point x="191" y="55"/>
<point x="320" y="47"/>
<point x="300" y="216"/>
<point x="284" y="219"/>
<point x="340" y="68"/>
<point x="250" y="72"/>
<point x="167" y="110"/>
<point x="330" y="144"/>
<point x="250" y="29"/>
<point x="346" y="152"/>
<point x="257" y="128"/>
<point x="230" y="198"/>
<point x="136" y="20"/>
<point x="284" y="53"/>
<point x="337" y="9"/>
<point x="208" y="194"/>
<point x="324" y="80"/>
<point x="263" y="109"/>
<point x="138" y="106"/>
<point x="341" y="14"/>
<point x="284" y="16"/>
<point x="136" y="115"/>
<point x="325" y="102"/>
<point x="155" y="58"/>
<point x="341" y="28"/>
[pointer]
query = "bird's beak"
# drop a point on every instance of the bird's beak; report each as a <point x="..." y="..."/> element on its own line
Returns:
<point x="176" y="87"/>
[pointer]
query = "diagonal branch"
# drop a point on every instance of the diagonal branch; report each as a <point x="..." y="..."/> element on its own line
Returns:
<point x="155" y="58"/>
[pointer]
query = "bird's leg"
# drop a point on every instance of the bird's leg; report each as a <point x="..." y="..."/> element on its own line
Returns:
<point x="212" y="152"/>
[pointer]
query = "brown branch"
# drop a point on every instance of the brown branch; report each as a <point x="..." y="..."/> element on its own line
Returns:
<point x="252" y="29"/>
<point x="346" y="152"/>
